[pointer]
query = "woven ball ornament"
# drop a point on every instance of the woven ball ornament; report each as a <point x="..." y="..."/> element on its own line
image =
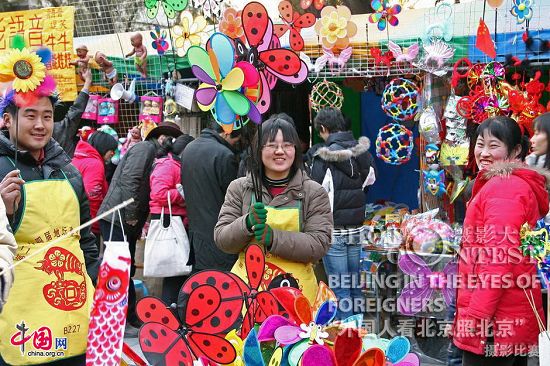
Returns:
<point x="400" y="99"/>
<point x="326" y="94"/>
<point x="394" y="144"/>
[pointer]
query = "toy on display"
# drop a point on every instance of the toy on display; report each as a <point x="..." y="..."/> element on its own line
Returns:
<point x="336" y="63"/>
<point x="82" y="61"/>
<point x="429" y="126"/>
<point x="434" y="181"/>
<point x="159" y="41"/>
<point x="211" y="9"/>
<point x="335" y="28"/>
<point x="400" y="99"/>
<point x="107" y="111"/>
<point x="91" y="110"/>
<point x="151" y="108"/>
<point x="394" y="144"/>
<point x="190" y="31"/>
<point x="140" y="52"/>
<point x="170" y="7"/>
<point x="326" y="94"/>
<point x="384" y="14"/>
<point x="294" y="22"/>
<point x="404" y="54"/>
<point x="109" y="71"/>
<point x="231" y="23"/>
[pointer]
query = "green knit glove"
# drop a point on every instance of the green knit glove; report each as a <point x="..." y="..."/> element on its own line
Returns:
<point x="264" y="234"/>
<point x="257" y="215"/>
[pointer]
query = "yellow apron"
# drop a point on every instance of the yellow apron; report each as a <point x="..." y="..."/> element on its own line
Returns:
<point x="287" y="219"/>
<point x="47" y="313"/>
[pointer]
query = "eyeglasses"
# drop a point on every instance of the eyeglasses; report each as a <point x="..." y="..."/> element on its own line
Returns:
<point x="286" y="146"/>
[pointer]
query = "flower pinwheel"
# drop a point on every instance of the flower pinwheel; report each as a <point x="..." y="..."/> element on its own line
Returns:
<point x="170" y="7"/>
<point x="522" y="10"/>
<point x="24" y="68"/>
<point x="231" y="23"/>
<point x="190" y="32"/>
<point x="384" y="13"/>
<point x="335" y="28"/>
<point x="222" y="81"/>
<point x="159" y="40"/>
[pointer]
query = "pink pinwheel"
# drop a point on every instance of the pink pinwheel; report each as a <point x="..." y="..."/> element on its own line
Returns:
<point x="222" y="81"/>
<point x="416" y="295"/>
<point x="384" y="13"/>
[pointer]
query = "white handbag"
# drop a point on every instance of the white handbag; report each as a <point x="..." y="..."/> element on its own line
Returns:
<point x="166" y="248"/>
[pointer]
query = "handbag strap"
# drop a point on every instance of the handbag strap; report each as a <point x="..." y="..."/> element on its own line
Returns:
<point x="113" y="225"/>
<point x="169" y="206"/>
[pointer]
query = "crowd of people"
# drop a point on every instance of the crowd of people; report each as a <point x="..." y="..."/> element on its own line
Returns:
<point x="303" y="208"/>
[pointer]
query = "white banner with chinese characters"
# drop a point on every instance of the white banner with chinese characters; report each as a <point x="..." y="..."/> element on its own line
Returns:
<point x="52" y="28"/>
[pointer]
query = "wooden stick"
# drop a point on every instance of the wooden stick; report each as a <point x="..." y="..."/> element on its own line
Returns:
<point x="70" y="233"/>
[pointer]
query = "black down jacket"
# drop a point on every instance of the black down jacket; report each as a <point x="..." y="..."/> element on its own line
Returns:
<point x="349" y="162"/>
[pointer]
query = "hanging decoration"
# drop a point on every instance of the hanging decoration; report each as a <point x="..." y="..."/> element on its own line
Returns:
<point x="434" y="182"/>
<point x="405" y="54"/>
<point x="263" y="50"/>
<point x="440" y="30"/>
<point x="171" y="7"/>
<point x="400" y="99"/>
<point x="495" y="4"/>
<point x="418" y="293"/>
<point x="293" y="23"/>
<point x="335" y="63"/>
<point x="211" y="9"/>
<point x="384" y="13"/>
<point x="159" y="40"/>
<point x="231" y="24"/>
<point x="380" y="58"/>
<point x="326" y="94"/>
<point x="484" y="42"/>
<point x="318" y="4"/>
<point x="335" y="27"/>
<point x="189" y="32"/>
<point x="394" y="144"/>
<point x="222" y="80"/>
<point x="436" y="54"/>
<point x="522" y="10"/>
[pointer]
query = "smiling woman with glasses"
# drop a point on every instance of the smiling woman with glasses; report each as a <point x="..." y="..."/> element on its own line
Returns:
<point x="293" y="222"/>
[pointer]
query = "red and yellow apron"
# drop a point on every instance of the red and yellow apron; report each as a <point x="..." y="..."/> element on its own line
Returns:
<point x="47" y="313"/>
<point x="287" y="219"/>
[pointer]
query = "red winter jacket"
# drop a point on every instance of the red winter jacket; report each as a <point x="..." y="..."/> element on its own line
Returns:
<point x="166" y="174"/>
<point x="92" y="167"/>
<point x="491" y="264"/>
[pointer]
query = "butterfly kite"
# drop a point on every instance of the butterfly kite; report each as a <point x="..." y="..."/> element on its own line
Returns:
<point x="294" y="22"/>
<point x="384" y="13"/>
<point x="170" y="7"/>
<point x="417" y="293"/>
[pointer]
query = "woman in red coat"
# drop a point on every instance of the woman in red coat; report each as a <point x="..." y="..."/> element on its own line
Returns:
<point x="166" y="179"/>
<point x="90" y="158"/>
<point x="494" y="323"/>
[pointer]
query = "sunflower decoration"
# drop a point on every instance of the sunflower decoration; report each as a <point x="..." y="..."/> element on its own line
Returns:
<point x="335" y="28"/>
<point x="26" y="71"/>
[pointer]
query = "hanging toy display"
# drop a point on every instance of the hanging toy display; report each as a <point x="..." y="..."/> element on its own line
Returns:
<point x="326" y="94"/>
<point x="400" y="99"/>
<point x="90" y="112"/>
<point x="394" y="144"/>
<point x="429" y="125"/>
<point x="431" y="154"/>
<point x="455" y="147"/>
<point x="151" y="107"/>
<point x="434" y="181"/>
<point x="107" y="111"/>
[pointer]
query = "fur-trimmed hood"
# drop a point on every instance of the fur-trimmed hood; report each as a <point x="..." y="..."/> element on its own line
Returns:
<point x="337" y="155"/>
<point x="507" y="168"/>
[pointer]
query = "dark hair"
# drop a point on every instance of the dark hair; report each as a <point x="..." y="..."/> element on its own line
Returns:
<point x="270" y="128"/>
<point x="330" y="118"/>
<point x="219" y="129"/>
<point x="542" y="124"/>
<point x="284" y="116"/>
<point x="181" y="142"/>
<point x="11" y="108"/>
<point x="506" y="130"/>
<point x="102" y="142"/>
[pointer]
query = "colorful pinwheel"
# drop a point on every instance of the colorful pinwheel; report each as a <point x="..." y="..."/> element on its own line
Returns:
<point x="522" y="10"/>
<point x="384" y="13"/>
<point x="170" y="7"/>
<point x="159" y="40"/>
<point x="222" y="81"/>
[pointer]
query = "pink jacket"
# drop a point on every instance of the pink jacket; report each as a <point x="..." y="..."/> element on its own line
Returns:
<point x="166" y="174"/>
<point x="92" y="167"/>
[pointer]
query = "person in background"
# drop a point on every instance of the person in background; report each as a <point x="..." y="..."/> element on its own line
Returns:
<point x="506" y="195"/>
<point x="166" y="180"/>
<point x="65" y="132"/>
<point x="90" y="159"/>
<point x="349" y="166"/>
<point x="131" y="180"/>
<point x="293" y="221"/>
<point x="208" y="165"/>
<point x="539" y="142"/>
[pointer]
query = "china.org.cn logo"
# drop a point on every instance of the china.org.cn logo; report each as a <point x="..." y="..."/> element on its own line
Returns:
<point x="42" y="342"/>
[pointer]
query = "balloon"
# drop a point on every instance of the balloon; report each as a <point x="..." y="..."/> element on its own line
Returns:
<point x="495" y="3"/>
